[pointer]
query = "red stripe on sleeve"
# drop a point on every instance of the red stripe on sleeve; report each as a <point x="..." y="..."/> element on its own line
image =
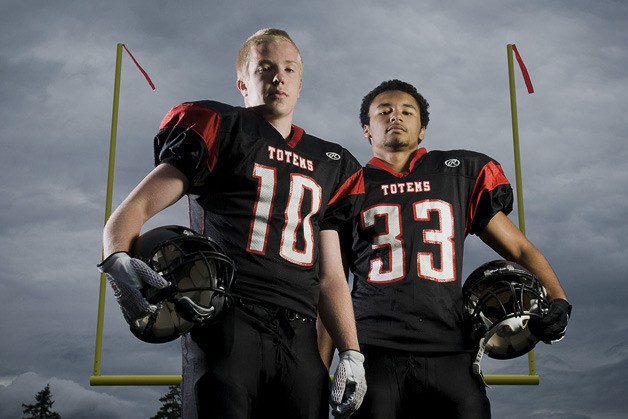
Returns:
<point x="490" y="177"/>
<point x="354" y="185"/>
<point x="202" y="120"/>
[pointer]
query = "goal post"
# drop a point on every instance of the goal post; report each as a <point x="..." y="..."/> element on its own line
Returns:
<point x="134" y="380"/>
<point x="97" y="379"/>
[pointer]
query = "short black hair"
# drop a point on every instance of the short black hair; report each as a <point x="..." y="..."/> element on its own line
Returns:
<point x="394" y="85"/>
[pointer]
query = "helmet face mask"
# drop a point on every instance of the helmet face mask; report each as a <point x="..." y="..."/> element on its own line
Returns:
<point x="200" y="276"/>
<point x="500" y="298"/>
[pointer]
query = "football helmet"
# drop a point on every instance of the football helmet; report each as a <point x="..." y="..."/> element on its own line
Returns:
<point x="500" y="298"/>
<point x="199" y="273"/>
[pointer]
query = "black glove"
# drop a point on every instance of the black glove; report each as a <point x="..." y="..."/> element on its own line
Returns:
<point x="552" y="326"/>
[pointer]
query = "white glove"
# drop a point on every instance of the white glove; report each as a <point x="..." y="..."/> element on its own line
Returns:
<point x="127" y="277"/>
<point x="349" y="385"/>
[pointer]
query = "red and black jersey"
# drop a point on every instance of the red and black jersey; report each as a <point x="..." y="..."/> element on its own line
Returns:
<point x="263" y="198"/>
<point x="408" y="243"/>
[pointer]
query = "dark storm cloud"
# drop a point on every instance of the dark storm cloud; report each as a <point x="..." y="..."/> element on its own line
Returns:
<point x="56" y="82"/>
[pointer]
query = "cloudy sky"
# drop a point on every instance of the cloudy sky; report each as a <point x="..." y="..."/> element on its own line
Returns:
<point x="57" y="63"/>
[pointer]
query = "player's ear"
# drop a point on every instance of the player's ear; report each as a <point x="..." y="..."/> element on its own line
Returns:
<point x="422" y="133"/>
<point x="241" y="85"/>
<point x="367" y="132"/>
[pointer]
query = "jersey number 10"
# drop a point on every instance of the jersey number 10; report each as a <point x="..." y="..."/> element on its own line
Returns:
<point x="294" y="218"/>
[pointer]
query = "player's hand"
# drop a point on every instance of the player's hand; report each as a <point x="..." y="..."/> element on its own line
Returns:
<point x="127" y="277"/>
<point x="349" y="385"/>
<point x="552" y="326"/>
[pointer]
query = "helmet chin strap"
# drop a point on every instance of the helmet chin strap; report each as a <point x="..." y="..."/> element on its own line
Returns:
<point x="510" y="327"/>
<point x="504" y="329"/>
<point x="477" y="369"/>
<point x="193" y="312"/>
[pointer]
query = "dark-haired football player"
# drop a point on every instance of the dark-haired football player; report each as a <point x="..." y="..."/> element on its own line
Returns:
<point x="406" y="248"/>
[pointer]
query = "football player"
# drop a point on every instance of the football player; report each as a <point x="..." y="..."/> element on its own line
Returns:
<point x="406" y="251"/>
<point x="272" y="196"/>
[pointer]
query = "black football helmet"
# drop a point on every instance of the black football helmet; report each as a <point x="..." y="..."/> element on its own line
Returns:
<point x="500" y="298"/>
<point x="200" y="276"/>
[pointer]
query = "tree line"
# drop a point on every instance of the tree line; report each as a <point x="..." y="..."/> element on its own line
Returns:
<point x="42" y="407"/>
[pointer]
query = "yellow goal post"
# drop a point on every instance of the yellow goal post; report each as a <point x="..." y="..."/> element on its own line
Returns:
<point x="97" y="379"/>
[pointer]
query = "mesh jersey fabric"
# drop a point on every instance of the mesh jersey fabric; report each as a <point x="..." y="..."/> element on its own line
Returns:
<point x="408" y="242"/>
<point x="262" y="198"/>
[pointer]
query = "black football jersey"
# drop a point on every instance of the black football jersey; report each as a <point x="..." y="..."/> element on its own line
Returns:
<point x="408" y="242"/>
<point x="263" y="198"/>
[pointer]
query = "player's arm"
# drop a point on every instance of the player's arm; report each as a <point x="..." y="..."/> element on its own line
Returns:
<point x="507" y="240"/>
<point x="335" y="305"/>
<point x="326" y="346"/>
<point x="162" y="187"/>
<point x="510" y="243"/>
<point x="335" y="310"/>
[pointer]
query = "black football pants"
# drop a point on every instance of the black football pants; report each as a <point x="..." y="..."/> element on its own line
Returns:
<point x="407" y="386"/>
<point x="257" y="362"/>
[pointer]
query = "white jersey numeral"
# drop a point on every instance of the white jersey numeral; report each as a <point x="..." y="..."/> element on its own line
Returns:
<point x="266" y="182"/>
<point x="299" y="186"/>
<point x="392" y="239"/>
<point x="296" y="220"/>
<point x="443" y="237"/>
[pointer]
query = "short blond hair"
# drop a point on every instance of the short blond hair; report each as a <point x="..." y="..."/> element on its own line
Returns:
<point x="266" y="35"/>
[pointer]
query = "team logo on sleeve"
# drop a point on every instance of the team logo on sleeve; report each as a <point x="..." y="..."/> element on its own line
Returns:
<point x="332" y="155"/>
